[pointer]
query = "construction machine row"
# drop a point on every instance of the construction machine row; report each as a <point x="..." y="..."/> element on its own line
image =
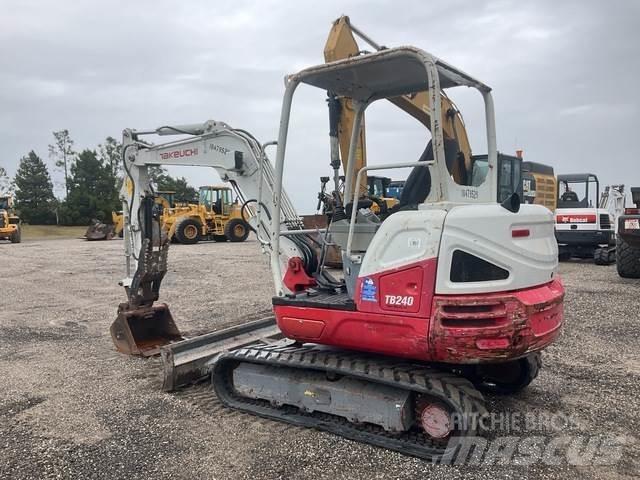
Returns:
<point x="217" y="216"/>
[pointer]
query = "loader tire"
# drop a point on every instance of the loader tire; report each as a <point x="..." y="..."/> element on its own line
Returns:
<point x="16" y="237"/>
<point x="603" y="256"/>
<point x="187" y="231"/>
<point x="236" y="230"/>
<point x="509" y="377"/>
<point x="627" y="259"/>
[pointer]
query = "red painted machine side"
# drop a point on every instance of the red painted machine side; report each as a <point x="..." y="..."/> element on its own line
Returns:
<point x="444" y="328"/>
<point x="415" y="281"/>
<point x="496" y="326"/>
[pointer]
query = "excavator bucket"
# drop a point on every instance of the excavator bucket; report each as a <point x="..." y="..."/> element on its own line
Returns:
<point x="99" y="231"/>
<point x="142" y="331"/>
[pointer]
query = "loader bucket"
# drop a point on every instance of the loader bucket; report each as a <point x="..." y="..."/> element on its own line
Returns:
<point x="99" y="231"/>
<point x="144" y="330"/>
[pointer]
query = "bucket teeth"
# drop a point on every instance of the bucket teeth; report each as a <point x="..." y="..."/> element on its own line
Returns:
<point x="143" y="330"/>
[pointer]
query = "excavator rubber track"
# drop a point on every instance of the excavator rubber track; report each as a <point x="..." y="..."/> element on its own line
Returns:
<point x="457" y="393"/>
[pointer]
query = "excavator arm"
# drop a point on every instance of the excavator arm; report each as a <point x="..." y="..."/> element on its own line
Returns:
<point x="341" y="44"/>
<point x="141" y="326"/>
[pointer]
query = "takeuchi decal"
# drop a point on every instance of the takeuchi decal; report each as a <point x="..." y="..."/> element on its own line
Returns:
<point x="576" y="219"/>
<point x="187" y="152"/>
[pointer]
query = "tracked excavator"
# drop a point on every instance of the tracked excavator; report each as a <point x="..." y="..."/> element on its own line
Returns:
<point x="452" y="296"/>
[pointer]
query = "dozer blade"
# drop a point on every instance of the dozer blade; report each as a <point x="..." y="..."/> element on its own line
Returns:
<point x="142" y="331"/>
<point x="190" y="361"/>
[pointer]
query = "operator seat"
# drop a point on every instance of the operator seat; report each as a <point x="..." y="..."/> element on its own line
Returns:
<point x="418" y="185"/>
<point x="570" y="196"/>
<point x="217" y="207"/>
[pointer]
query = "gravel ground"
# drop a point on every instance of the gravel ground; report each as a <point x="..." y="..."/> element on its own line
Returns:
<point x="71" y="407"/>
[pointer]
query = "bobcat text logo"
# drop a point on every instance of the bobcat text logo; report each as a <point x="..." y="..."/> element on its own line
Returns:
<point x="576" y="219"/>
<point x="187" y="152"/>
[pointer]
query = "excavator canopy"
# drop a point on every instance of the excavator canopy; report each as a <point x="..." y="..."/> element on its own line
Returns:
<point x="368" y="77"/>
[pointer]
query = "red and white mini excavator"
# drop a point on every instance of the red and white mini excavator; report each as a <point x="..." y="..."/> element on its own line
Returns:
<point x="452" y="294"/>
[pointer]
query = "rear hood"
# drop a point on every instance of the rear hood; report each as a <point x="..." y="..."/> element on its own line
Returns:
<point x="522" y="245"/>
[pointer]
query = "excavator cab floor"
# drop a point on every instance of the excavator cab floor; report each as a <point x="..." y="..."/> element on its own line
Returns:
<point x="142" y="331"/>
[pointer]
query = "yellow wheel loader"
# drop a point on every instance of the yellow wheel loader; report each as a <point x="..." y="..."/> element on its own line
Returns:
<point x="107" y="231"/>
<point x="218" y="216"/>
<point x="10" y="226"/>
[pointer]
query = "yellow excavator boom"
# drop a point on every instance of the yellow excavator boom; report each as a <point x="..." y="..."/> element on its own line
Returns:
<point x="341" y="44"/>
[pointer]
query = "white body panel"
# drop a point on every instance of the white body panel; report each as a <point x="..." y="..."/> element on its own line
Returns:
<point x="404" y="238"/>
<point x="486" y="232"/>
<point x="481" y="230"/>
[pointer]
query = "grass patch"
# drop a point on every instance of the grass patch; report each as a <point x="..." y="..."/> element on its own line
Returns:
<point x="31" y="232"/>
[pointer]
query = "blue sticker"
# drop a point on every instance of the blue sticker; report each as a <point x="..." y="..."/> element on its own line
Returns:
<point x="368" y="290"/>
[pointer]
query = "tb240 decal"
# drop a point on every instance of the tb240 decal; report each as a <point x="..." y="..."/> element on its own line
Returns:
<point x="398" y="300"/>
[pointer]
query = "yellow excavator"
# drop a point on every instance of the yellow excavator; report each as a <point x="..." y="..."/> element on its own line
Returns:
<point x="539" y="183"/>
<point x="342" y="44"/>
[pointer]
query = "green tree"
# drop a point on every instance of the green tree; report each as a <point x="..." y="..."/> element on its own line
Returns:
<point x="92" y="190"/>
<point x="34" y="191"/>
<point x="184" y="191"/>
<point x="110" y="153"/>
<point x="62" y="153"/>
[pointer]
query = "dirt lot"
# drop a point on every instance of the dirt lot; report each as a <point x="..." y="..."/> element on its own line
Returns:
<point x="71" y="407"/>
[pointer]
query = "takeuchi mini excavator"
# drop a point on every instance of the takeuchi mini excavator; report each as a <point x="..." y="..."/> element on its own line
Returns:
<point x="450" y="296"/>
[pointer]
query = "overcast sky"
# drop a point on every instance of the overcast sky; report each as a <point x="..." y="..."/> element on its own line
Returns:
<point x="564" y="74"/>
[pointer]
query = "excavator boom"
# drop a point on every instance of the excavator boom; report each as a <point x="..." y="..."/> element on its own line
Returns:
<point x="342" y="44"/>
<point x="142" y="327"/>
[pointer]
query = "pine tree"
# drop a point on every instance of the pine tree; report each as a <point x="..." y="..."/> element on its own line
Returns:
<point x="184" y="191"/>
<point x="92" y="190"/>
<point x="63" y="154"/>
<point x="111" y="154"/>
<point x="34" y="191"/>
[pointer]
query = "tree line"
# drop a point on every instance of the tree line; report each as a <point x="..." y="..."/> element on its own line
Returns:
<point x="92" y="181"/>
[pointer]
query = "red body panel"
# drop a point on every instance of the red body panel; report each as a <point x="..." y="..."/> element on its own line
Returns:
<point x="415" y="282"/>
<point x="444" y="328"/>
